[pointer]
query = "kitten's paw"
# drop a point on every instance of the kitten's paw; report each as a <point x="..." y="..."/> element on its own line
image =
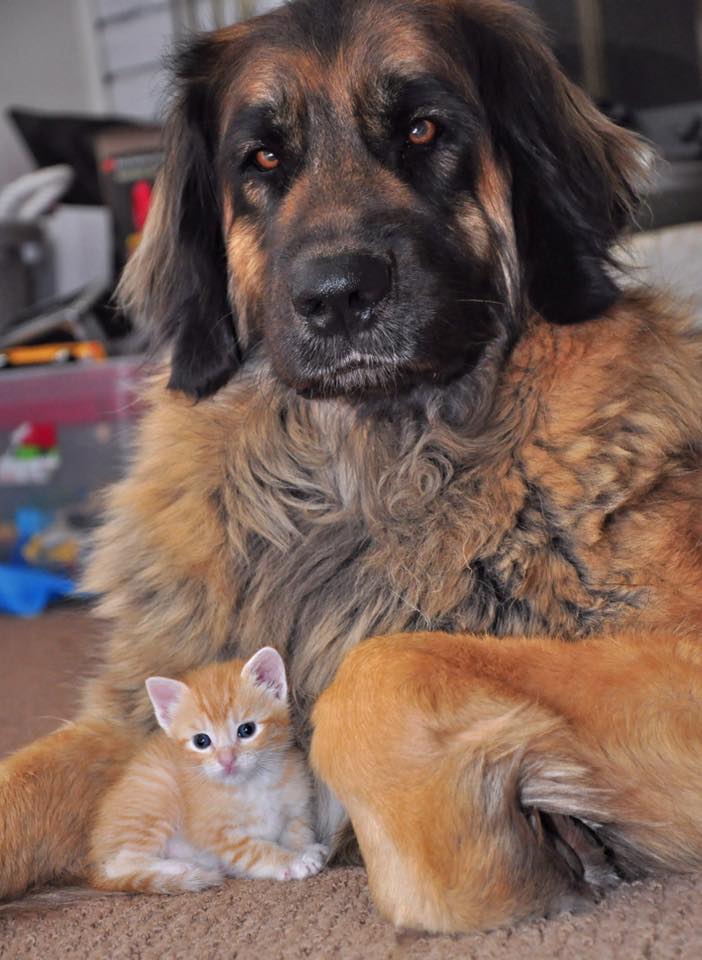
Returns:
<point x="155" y="875"/>
<point x="195" y="877"/>
<point x="310" y="861"/>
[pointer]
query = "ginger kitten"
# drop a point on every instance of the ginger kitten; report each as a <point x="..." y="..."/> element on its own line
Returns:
<point x="220" y="790"/>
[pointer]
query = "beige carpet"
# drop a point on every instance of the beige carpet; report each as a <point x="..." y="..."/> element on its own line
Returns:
<point x="330" y="916"/>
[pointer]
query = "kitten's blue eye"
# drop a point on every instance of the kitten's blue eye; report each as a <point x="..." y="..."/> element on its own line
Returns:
<point x="246" y="730"/>
<point x="201" y="741"/>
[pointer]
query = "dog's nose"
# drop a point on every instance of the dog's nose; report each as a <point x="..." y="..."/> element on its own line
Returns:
<point x="338" y="295"/>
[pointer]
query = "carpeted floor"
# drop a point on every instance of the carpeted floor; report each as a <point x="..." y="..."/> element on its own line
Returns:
<point x="330" y="916"/>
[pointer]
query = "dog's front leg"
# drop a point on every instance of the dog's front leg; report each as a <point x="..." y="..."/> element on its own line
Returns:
<point x="489" y="780"/>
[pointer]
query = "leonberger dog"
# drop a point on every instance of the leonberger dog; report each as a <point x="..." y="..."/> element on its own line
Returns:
<point x="406" y="393"/>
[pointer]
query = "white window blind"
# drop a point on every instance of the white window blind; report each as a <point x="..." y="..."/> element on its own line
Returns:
<point x="132" y="38"/>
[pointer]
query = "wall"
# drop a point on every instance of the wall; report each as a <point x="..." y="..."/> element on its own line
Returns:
<point x="53" y="55"/>
<point x="46" y="62"/>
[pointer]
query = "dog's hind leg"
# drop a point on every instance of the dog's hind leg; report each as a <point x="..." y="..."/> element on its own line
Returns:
<point x="48" y="796"/>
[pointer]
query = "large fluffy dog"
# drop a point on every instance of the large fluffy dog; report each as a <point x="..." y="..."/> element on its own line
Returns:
<point x="405" y="392"/>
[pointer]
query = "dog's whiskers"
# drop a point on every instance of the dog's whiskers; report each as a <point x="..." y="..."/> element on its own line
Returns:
<point x="496" y="303"/>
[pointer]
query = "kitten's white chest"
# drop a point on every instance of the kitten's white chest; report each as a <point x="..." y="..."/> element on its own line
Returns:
<point x="260" y="805"/>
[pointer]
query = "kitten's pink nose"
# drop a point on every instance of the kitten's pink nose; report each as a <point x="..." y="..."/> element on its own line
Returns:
<point x="226" y="759"/>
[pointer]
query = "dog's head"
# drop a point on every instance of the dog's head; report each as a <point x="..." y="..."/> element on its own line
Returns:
<point x="376" y="192"/>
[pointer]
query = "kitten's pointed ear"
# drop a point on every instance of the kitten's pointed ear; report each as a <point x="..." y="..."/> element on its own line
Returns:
<point x="166" y="696"/>
<point x="266" y="668"/>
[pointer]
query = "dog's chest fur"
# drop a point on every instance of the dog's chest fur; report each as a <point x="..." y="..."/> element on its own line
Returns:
<point x="345" y="528"/>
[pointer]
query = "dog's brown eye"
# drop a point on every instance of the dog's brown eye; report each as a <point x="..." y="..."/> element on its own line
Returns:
<point x="422" y="132"/>
<point x="266" y="160"/>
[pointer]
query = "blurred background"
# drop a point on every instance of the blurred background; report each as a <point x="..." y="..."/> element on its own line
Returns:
<point x="82" y="85"/>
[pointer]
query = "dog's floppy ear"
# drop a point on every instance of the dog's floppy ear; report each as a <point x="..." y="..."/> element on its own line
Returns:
<point x="575" y="174"/>
<point x="177" y="280"/>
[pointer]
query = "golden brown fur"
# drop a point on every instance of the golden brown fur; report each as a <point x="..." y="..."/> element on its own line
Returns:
<point x="583" y="429"/>
<point x="550" y="489"/>
<point x="492" y="782"/>
<point x="43" y="789"/>
<point x="593" y="441"/>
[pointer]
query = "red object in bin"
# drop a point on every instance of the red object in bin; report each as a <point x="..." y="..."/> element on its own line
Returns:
<point x="42" y="435"/>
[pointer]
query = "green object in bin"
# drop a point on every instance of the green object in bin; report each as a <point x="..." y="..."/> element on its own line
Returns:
<point x="28" y="452"/>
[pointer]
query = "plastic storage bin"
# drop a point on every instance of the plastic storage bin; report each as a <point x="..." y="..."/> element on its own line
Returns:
<point x="89" y="410"/>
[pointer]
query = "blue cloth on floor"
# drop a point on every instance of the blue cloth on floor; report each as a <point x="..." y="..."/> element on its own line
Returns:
<point x="26" y="591"/>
